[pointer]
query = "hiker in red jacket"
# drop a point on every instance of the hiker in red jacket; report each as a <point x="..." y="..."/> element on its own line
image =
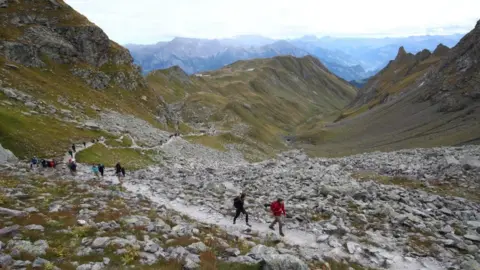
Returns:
<point x="278" y="209"/>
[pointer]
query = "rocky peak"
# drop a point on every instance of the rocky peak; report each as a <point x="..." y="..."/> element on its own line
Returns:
<point x="424" y="54"/>
<point x="455" y="76"/>
<point x="44" y="32"/>
<point x="403" y="56"/>
<point x="441" y="50"/>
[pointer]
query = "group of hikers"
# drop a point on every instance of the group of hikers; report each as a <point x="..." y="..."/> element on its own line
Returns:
<point x="176" y="134"/>
<point x="277" y="208"/>
<point x="45" y="163"/>
<point x="97" y="169"/>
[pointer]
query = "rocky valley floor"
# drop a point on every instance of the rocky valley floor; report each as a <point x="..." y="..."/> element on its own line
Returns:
<point x="411" y="209"/>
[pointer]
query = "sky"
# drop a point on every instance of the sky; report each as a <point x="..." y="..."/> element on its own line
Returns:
<point x="151" y="21"/>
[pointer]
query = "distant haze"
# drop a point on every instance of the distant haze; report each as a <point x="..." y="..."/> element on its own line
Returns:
<point x="150" y="21"/>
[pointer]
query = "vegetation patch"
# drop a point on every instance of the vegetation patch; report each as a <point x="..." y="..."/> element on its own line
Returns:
<point x="436" y="187"/>
<point x="125" y="141"/>
<point x="129" y="158"/>
<point x="29" y="135"/>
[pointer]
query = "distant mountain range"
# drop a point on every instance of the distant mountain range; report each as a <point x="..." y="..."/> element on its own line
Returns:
<point x="348" y="58"/>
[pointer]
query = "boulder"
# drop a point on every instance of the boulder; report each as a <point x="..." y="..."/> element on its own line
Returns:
<point x="6" y="156"/>
<point x="281" y="262"/>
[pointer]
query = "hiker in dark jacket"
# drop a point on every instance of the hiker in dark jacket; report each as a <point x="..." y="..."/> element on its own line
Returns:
<point x="238" y="204"/>
<point x="101" y="169"/>
<point x="118" y="171"/>
<point x="74" y="148"/>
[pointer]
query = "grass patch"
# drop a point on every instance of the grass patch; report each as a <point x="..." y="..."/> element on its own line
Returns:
<point x="129" y="158"/>
<point x="29" y="135"/>
<point x="420" y="244"/>
<point x="208" y="141"/>
<point x="124" y="142"/>
<point x="436" y="187"/>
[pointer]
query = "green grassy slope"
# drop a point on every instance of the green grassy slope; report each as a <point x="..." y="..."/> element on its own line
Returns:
<point x="401" y="74"/>
<point x="52" y="81"/>
<point x="270" y="96"/>
<point x="440" y="109"/>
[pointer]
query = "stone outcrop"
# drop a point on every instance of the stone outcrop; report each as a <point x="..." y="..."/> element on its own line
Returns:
<point x="6" y="155"/>
<point x="66" y="37"/>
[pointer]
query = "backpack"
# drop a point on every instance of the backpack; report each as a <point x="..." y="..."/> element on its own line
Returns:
<point x="237" y="202"/>
<point x="73" y="166"/>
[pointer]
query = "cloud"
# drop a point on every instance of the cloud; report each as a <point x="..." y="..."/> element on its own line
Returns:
<point x="150" y="21"/>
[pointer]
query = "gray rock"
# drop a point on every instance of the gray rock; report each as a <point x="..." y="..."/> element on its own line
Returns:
<point x="20" y="264"/>
<point x="39" y="262"/>
<point x="31" y="210"/>
<point x="197" y="248"/>
<point x="322" y="238"/>
<point x="147" y="258"/>
<point x="151" y="247"/>
<point x="159" y="226"/>
<point x="101" y="242"/>
<point x="84" y="251"/>
<point x="34" y="227"/>
<point x="11" y="212"/>
<point x="474" y="224"/>
<point x="470" y="265"/>
<point x="5" y="260"/>
<point x="233" y="252"/>
<point x="352" y="247"/>
<point x="136" y="221"/>
<point x="284" y="261"/>
<point x="260" y="251"/>
<point x="242" y="260"/>
<point x="473" y="237"/>
<point x="91" y="266"/>
<point x="6" y="155"/>
<point x="38" y="248"/>
<point x="9" y="230"/>
<point x="191" y="262"/>
<point x="3" y="3"/>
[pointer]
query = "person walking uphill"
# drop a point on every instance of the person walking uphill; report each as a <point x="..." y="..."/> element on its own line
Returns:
<point x="96" y="171"/>
<point x="101" y="169"/>
<point x="238" y="203"/>
<point x="120" y="172"/>
<point x="278" y="209"/>
<point x="74" y="148"/>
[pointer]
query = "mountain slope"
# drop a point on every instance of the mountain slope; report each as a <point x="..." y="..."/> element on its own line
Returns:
<point x="407" y="70"/>
<point x="442" y="108"/>
<point x="58" y="71"/>
<point x="256" y="100"/>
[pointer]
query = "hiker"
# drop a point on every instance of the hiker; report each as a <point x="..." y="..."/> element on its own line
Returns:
<point x="70" y="152"/>
<point x="54" y="163"/>
<point x="101" y="169"/>
<point x="123" y="172"/>
<point x="118" y="171"/>
<point x="238" y="204"/>
<point x="34" y="162"/>
<point x="278" y="209"/>
<point x="44" y="163"/>
<point x="95" y="171"/>
<point x="73" y="148"/>
<point x="73" y="167"/>
<point x="84" y="144"/>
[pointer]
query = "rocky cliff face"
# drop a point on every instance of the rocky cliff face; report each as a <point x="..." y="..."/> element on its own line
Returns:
<point x="38" y="33"/>
<point x="455" y="81"/>
<point x="398" y="76"/>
